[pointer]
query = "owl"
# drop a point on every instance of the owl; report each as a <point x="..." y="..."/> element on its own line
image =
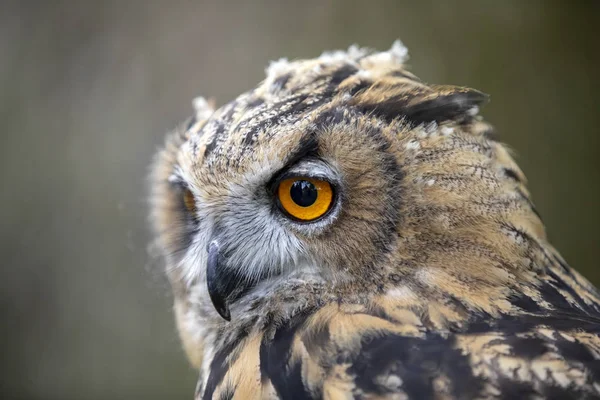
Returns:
<point x="345" y="230"/>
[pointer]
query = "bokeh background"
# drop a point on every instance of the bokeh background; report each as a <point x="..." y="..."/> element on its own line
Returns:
<point x="89" y="88"/>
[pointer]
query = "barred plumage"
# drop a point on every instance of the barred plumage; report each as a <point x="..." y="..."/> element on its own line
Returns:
<point x="429" y="277"/>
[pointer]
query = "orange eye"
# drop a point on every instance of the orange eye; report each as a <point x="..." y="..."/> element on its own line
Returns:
<point x="189" y="201"/>
<point x="305" y="199"/>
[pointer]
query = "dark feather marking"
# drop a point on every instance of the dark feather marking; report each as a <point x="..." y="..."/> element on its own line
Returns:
<point x="512" y="174"/>
<point x="210" y="146"/>
<point x="281" y="81"/>
<point x="329" y="82"/>
<point x="441" y="108"/>
<point x="444" y="107"/>
<point x="525" y="303"/>
<point x="565" y="268"/>
<point x="294" y="388"/>
<point x="510" y="325"/>
<point x="555" y="392"/>
<point x="595" y="306"/>
<point x="513" y="389"/>
<point x="329" y="118"/>
<point x="307" y="146"/>
<point x="359" y="87"/>
<point x="220" y="365"/>
<point x="561" y="284"/>
<point x="528" y="348"/>
<point x="274" y="360"/>
<point x="341" y="74"/>
<point x="417" y="361"/>
<point x="575" y="351"/>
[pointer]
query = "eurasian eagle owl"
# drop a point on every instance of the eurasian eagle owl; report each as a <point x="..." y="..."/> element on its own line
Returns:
<point x="345" y="230"/>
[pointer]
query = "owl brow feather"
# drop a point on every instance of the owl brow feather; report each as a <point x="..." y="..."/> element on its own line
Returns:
<point x="307" y="146"/>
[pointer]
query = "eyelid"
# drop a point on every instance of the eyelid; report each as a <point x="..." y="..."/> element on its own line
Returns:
<point x="309" y="168"/>
<point x="291" y="175"/>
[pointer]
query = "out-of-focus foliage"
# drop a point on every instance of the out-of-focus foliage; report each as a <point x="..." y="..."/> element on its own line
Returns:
<point x="89" y="88"/>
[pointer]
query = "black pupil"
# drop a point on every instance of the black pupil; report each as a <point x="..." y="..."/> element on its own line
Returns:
<point x="303" y="193"/>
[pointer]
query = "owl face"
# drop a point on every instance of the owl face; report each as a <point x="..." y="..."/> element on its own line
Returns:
<point x="306" y="199"/>
<point x="335" y="173"/>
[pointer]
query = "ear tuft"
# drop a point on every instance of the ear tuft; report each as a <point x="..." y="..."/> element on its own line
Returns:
<point x="418" y="103"/>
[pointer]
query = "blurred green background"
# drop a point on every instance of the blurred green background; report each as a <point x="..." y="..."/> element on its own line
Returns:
<point x="89" y="88"/>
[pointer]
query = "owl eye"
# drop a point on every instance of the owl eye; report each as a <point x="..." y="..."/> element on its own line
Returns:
<point x="304" y="199"/>
<point x="189" y="201"/>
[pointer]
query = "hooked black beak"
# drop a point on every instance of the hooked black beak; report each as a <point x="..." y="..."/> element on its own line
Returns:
<point x="225" y="284"/>
<point x="219" y="283"/>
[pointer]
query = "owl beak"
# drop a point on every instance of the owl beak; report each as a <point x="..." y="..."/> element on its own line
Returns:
<point x="218" y="281"/>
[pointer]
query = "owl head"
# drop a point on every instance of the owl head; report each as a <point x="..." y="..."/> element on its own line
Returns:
<point x="335" y="179"/>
